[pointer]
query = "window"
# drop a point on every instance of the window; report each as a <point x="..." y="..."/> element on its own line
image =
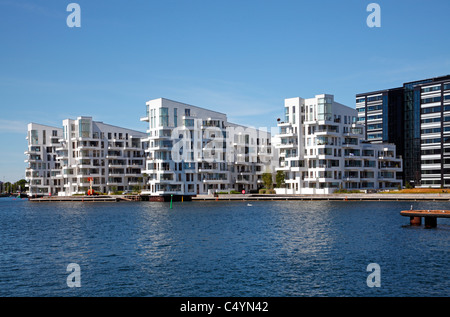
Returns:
<point x="175" y="117"/>
<point x="433" y="130"/>
<point x="374" y="136"/>
<point x="373" y="108"/>
<point x="187" y="112"/>
<point x="430" y="120"/>
<point x="434" y="88"/>
<point x="189" y="122"/>
<point x="293" y="114"/>
<point x="430" y="100"/>
<point x="374" y="126"/>
<point x="375" y="98"/>
<point x="429" y="141"/>
<point x="84" y="128"/>
<point x="163" y="117"/>
<point x="430" y="110"/>
<point x="375" y="117"/>
<point x="324" y="109"/>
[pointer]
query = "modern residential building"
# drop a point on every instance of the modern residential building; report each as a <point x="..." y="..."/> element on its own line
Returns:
<point x="112" y="156"/>
<point x="62" y="161"/>
<point x="414" y="117"/>
<point x="193" y="150"/>
<point x="322" y="148"/>
<point x="43" y="166"/>
<point x="252" y="153"/>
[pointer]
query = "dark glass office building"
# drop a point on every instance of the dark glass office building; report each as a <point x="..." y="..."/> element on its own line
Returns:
<point x="414" y="117"/>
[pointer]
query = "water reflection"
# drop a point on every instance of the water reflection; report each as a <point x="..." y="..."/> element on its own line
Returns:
<point x="289" y="248"/>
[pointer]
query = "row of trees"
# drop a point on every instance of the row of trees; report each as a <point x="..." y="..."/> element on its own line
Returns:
<point x="9" y="187"/>
<point x="267" y="179"/>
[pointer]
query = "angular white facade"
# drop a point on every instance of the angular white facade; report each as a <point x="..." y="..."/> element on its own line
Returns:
<point x="188" y="150"/>
<point x="43" y="165"/>
<point x="322" y="149"/>
<point x="63" y="161"/>
<point x="193" y="151"/>
<point x="112" y="156"/>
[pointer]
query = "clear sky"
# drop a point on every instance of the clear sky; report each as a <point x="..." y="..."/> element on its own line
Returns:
<point x="239" y="57"/>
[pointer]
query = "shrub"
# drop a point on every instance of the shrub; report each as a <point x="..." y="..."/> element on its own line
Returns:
<point x="346" y="191"/>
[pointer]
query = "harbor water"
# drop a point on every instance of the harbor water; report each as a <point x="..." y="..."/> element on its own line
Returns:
<point x="221" y="248"/>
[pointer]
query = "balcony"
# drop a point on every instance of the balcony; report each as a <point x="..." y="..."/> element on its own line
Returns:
<point x="284" y="124"/>
<point x="287" y="145"/>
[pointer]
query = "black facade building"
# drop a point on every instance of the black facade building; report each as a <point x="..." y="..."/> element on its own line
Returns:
<point x="414" y="118"/>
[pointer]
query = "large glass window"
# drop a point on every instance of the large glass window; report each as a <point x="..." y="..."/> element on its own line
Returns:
<point x="34" y="137"/>
<point x="434" y="88"/>
<point x="324" y="109"/>
<point x="189" y="122"/>
<point x="286" y="114"/>
<point x="164" y="117"/>
<point x="84" y="128"/>
<point x="431" y="100"/>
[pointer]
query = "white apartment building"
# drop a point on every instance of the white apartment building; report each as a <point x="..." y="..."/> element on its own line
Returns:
<point x="62" y="161"/>
<point x="322" y="149"/>
<point x="193" y="151"/>
<point x="112" y="156"/>
<point x="42" y="161"/>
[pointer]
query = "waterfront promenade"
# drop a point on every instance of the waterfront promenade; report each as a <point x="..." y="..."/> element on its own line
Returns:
<point x="339" y="197"/>
<point x="267" y="197"/>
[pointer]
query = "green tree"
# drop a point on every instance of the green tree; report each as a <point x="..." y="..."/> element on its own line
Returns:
<point x="20" y="185"/>
<point x="279" y="179"/>
<point x="267" y="180"/>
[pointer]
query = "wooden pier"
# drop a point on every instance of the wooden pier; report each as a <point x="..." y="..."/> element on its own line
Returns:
<point x="430" y="216"/>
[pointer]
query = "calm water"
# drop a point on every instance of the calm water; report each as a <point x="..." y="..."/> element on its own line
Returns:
<point x="220" y="249"/>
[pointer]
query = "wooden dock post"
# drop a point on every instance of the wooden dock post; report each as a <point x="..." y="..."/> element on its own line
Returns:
<point x="430" y="222"/>
<point x="415" y="221"/>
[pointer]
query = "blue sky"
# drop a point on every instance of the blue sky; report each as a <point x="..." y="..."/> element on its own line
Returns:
<point x="239" y="57"/>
